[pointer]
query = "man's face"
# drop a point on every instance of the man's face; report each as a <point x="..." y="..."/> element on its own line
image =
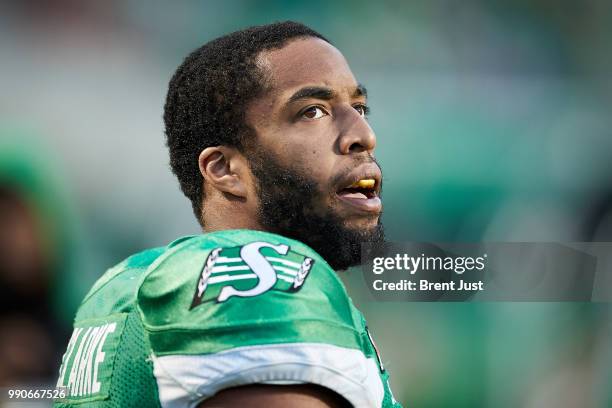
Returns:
<point x="313" y="152"/>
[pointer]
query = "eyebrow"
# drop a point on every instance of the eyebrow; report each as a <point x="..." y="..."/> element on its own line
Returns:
<point x="324" y="93"/>
<point x="315" y="92"/>
<point x="360" y="91"/>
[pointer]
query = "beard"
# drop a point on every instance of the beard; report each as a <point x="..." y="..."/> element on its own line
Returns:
<point x="290" y="206"/>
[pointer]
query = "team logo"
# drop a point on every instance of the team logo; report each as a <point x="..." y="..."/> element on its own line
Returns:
<point x="250" y="270"/>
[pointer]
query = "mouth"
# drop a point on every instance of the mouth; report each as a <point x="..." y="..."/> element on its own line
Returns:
<point x="362" y="192"/>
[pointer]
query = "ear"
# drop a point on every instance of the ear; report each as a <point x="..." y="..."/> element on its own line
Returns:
<point x="224" y="169"/>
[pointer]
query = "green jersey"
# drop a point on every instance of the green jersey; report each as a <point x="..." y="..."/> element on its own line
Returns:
<point x="170" y="327"/>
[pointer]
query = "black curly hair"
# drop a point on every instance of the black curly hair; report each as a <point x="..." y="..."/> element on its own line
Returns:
<point x="209" y="94"/>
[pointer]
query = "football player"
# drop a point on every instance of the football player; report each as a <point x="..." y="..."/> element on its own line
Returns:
<point x="268" y="137"/>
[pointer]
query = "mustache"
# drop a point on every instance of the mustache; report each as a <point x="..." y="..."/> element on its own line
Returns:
<point x="365" y="159"/>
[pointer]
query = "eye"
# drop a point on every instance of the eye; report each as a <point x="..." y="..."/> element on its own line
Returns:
<point x="313" y="112"/>
<point x="362" y="109"/>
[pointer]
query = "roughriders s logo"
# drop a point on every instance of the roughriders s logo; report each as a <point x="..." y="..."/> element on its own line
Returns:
<point x="250" y="270"/>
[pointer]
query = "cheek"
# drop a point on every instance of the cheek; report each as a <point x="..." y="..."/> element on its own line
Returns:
<point x="306" y="148"/>
<point x="317" y="165"/>
<point x="314" y="151"/>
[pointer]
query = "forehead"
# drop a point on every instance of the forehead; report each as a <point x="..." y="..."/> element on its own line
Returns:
<point x="307" y="61"/>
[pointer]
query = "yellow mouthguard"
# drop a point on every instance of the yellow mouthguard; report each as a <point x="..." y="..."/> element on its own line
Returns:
<point x="364" y="183"/>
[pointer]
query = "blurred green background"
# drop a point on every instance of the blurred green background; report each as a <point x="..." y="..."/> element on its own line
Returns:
<point x="493" y="121"/>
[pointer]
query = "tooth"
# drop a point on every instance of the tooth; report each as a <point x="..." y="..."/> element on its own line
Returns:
<point x="364" y="183"/>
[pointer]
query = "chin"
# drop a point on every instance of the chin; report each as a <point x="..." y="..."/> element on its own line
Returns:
<point x="362" y="224"/>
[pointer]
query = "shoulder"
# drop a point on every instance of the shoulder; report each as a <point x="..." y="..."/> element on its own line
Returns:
<point x="140" y="260"/>
<point x="243" y="307"/>
<point x="228" y="262"/>
<point x="227" y="281"/>
<point x="115" y="290"/>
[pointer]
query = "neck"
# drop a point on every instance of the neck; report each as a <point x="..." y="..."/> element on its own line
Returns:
<point x="210" y="226"/>
<point x="230" y="215"/>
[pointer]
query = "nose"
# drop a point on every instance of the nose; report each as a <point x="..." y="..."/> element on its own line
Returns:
<point x="356" y="135"/>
